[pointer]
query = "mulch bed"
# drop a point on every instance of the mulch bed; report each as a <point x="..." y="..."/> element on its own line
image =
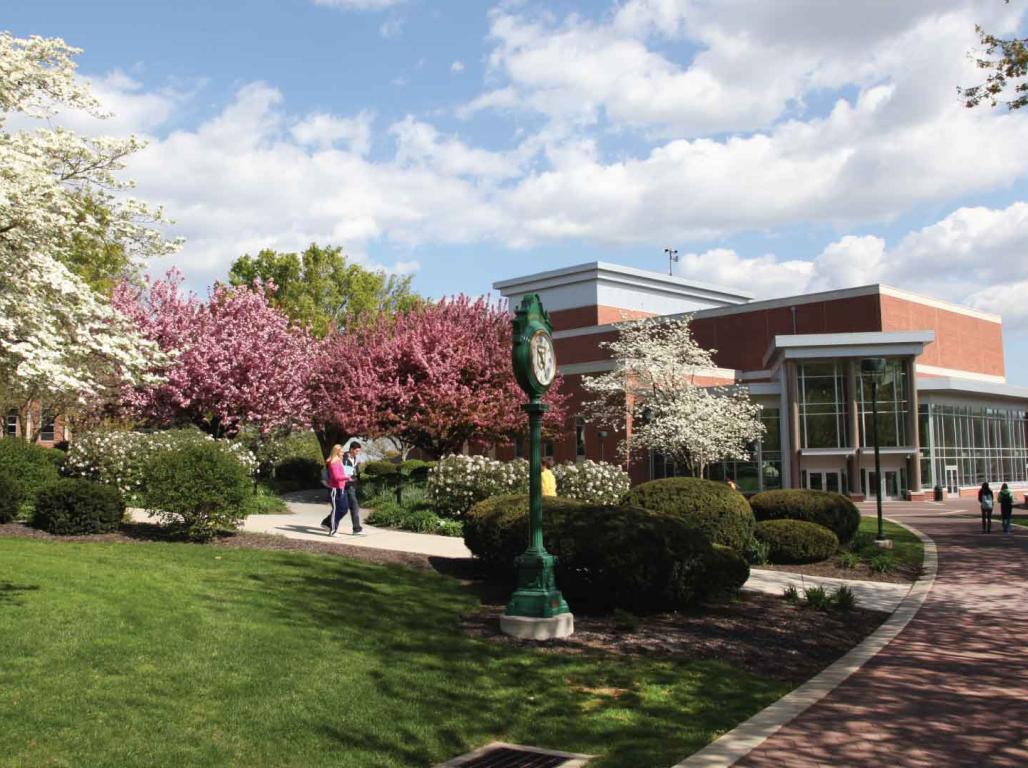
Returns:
<point x="763" y="634"/>
<point x="900" y="575"/>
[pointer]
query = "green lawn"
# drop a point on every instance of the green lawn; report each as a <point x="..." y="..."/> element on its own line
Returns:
<point x="1020" y="519"/>
<point x="907" y="550"/>
<point x="181" y="655"/>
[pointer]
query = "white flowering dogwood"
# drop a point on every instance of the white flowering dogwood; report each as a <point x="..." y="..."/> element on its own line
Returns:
<point x="596" y="482"/>
<point x="59" y="340"/>
<point x="457" y="482"/>
<point x="119" y="458"/>
<point x="653" y="395"/>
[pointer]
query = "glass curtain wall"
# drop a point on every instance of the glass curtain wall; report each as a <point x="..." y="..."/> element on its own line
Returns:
<point x="892" y="407"/>
<point x="763" y="472"/>
<point x="822" y="391"/>
<point x="972" y="444"/>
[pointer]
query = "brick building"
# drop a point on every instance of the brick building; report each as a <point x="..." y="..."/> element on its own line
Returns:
<point x="947" y="416"/>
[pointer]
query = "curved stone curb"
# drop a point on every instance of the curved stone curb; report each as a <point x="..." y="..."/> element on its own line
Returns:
<point x="749" y="735"/>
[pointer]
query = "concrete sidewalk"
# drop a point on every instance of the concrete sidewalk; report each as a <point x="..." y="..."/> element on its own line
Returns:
<point x="873" y="595"/>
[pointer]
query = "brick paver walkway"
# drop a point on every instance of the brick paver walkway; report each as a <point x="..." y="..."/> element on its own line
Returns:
<point x="952" y="688"/>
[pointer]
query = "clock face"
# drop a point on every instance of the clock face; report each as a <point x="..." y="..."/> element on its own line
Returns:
<point x="544" y="361"/>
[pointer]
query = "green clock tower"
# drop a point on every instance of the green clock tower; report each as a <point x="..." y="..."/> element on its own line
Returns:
<point x="537" y="609"/>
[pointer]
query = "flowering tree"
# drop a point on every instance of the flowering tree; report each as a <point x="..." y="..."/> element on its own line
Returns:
<point x="59" y="341"/>
<point x="434" y="377"/>
<point x="235" y="359"/>
<point x="653" y="395"/>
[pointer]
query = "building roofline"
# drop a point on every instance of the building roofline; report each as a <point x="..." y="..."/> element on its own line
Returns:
<point x="848" y="293"/>
<point x="953" y="385"/>
<point x="617" y="273"/>
<point x="848" y="344"/>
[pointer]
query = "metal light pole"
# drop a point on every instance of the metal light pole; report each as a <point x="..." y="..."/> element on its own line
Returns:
<point x="672" y="258"/>
<point x="874" y="368"/>
<point x="603" y="436"/>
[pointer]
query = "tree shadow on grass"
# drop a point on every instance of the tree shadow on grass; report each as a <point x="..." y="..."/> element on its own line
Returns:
<point x="10" y="593"/>
<point x="425" y="670"/>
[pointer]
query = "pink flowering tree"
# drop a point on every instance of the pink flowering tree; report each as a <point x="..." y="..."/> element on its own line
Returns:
<point x="434" y="377"/>
<point x="236" y="360"/>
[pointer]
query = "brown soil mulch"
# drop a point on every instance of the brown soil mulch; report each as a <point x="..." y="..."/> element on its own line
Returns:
<point x="862" y="572"/>
<point x="763" y="634"/>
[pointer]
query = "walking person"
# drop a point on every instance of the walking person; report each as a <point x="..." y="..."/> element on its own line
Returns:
<point x="351" y="468"/>
<point x="548" y="480"/>
<point x="985" y="503"/>
<point x="336" y="481"/>
<point x="1006" y="507"/>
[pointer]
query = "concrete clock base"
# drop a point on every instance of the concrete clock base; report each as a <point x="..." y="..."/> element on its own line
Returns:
<point x="527" y="628"/>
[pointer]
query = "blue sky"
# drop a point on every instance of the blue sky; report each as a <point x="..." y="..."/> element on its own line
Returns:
<point x="779" y="147"/>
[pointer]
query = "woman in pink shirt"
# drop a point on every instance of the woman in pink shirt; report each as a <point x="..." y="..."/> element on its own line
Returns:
<point x="337" y="483"/>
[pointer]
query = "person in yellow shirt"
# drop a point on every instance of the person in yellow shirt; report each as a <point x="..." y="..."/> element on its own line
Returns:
<point x="548" y="479"/>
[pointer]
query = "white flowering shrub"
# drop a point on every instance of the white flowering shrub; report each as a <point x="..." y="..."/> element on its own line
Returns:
<point x="592" y="481"/>
<point x="118" y="458"/>
<point x="456" y="483"/>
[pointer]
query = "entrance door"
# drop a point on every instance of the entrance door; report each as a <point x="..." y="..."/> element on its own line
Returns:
<point x="952" y="486"/>
<point x="824" y="481"/>
<point x="893" y="484"/>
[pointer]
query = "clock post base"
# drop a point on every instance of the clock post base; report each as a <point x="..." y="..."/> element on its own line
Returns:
<point x="528" y="628"/>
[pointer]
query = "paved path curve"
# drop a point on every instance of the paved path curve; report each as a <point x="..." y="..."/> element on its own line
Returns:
<point x="952" y="688"/>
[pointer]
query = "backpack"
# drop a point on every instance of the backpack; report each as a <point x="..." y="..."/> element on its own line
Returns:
<point x="987" y="503"/>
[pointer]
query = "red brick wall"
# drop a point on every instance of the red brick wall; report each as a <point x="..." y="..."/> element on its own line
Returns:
<point x="584" y="317"/>
<point x="961" y="341"/>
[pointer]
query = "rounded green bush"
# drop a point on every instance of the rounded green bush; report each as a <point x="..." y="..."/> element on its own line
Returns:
<point x="607" y="556"/>
<point x="721" y="513"/>
<point x="27" y="466"/>
<point x="416" y="469"/>
<point x="797" y="541"/>
<point x="726" y="572"/>
<point x="832" y="510"/>
<point x="10" y="499"/>
<point x="379" y="468"/>
<point x="77" y="506"/>
<point x="198" y="488"/>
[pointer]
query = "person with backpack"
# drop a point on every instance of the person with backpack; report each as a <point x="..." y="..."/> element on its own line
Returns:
<point x="985" y="503"/>
<point x="1006" y="508"/>
<point x="334" y="477"/>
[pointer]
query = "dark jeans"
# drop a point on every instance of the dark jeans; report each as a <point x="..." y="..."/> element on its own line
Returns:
<point x="986" y="520"/>
<point x="355" y="509"/>
<point x="339" y="505"/>
<point x="1005" y="519"/>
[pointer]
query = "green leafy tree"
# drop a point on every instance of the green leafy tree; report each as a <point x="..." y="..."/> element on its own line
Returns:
<point x="1006" y="61"/>
<point x="321" y="289"/>
<point x="95" y="254"/>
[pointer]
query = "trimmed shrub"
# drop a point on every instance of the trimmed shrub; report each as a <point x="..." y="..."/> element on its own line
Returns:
<point x="28" y="467"/>
<point x="120" y="458"/>
<point x="298" y="472"/>
<point x="832" y="510"/>
<point x="388" y="514"/>
<point x="457" y="482"/>
<point x="607" y="556"/>
<point x="721" y="513"/>
<point x="726" y="572"/>
<point x="76" y="506"/>
<point x="797" y="541"/>
<point x="199" y="488"/>
<point x="593" y="481"/>
<point x="11" y="498"/>
<point x="416" y="470"/>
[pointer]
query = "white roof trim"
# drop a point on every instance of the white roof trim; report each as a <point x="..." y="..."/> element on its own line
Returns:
<point x="955" y="373"/>
<point x="952" y="385"/>
<point x="876" y="343"/>
<point x="677" y="286"/>
<point x="600" y="366"/>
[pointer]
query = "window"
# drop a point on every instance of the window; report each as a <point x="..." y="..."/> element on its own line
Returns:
<point x="547" y="448"/>
<point x="892" y="407"/>
<point x="763" y="471"/>
<point x="11" y="424"/>
<point x="579" y="438"/>
<point x="822" y="405"/>
<point x="981" y="442"/>
<point x="46" y="428"/>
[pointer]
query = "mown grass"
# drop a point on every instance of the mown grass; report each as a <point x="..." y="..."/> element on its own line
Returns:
<point x="906" y="555"/>
<point x="184" y="655"/>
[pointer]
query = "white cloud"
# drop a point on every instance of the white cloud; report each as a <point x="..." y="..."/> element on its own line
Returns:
<point x="419" y="144"/>
<point x="323" y="130"/>
<point x="391" y="28"/>
<point x="457" y="66"/>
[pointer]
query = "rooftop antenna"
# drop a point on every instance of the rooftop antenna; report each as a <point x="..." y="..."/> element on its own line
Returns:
<point x="672" y="258"/>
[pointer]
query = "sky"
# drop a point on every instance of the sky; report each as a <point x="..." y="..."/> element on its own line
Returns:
<point x="780" y="147"/>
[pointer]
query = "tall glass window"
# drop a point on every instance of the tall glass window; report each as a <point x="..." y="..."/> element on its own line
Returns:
<point x="47" y="425"/>
<point x="892" y="407"/>
<point x="822" y="405"/>
<point x="763" y="471"/>
<point x="11" y="424"/>
<point x="579" y="438"/>
<point x="971" y="444"/>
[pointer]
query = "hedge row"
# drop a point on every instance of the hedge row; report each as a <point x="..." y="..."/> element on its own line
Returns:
<point x="831" y="510"/>
<point x="797" y="541"/>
